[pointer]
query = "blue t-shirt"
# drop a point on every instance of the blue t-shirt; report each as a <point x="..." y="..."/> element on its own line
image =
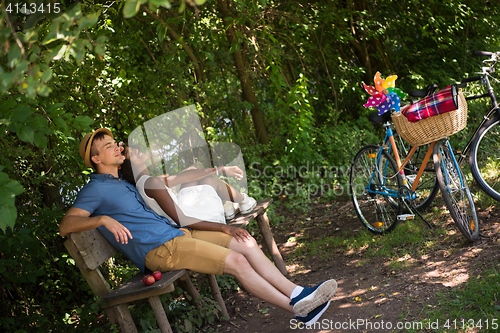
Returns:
<point x="107" y="195"/>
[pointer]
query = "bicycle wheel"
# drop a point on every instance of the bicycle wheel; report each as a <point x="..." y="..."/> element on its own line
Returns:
<point x="484" y="158"/>
<point x="455" y="191"/>
<point x="372" y="180"/>
<point x="428" y="186"/>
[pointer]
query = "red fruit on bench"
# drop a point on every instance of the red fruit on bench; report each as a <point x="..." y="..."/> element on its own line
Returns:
<point x="157" y="275"/>
<point x="148" y="280"/>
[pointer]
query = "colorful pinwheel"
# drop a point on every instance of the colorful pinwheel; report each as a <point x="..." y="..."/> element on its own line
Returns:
<point x="384" y="96"/>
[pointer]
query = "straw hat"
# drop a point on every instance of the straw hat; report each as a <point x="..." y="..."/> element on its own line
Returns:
<point x="86" y="143"/>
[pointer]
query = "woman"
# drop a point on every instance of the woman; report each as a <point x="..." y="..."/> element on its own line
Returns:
<point x="198" y="203"/>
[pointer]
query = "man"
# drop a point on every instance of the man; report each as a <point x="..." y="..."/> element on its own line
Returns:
<point x="115" y="207"/>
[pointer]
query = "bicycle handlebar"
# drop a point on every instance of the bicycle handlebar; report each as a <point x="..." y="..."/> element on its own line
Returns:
<point x="471" y="79"/>
<point x="482" y="54"/>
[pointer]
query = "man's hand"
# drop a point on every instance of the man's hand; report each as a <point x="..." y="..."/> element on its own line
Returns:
<point x="241" y="235"/>
<point x="233" y="171"/>
<point x="121" y="233"/>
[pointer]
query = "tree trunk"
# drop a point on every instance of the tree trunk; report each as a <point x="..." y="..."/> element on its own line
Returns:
<point x="248" y="93"/>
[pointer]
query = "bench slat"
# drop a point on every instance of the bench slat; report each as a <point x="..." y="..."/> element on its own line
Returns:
<point x="242" y="221"/>
<point x="93" y="247"/>
<point x="135" y="287"/>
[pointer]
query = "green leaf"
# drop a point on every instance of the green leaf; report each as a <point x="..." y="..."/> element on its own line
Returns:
<point x="60" y="123"/>
<point x="8" y="104"/>
<point x="188" y="325"/>
<point x="14" y="55"/>
<point x="87" y="21"/>
<point x="46" y="75"/>
<point x="40" y="140"/>
<point x="100" y="47"/>
<point x="31" y="36"/>
<point x="164" y="3"/>
<point x="8" y="215"/>
<point x="57" y="52"/>
<point x="55" y="109"/>
<point x="26" y="134"/>
<point x="14" y="187"/>
<point x="132" y="7"/>
<point x="21" y="113"/>
<point x="83" y="121"/>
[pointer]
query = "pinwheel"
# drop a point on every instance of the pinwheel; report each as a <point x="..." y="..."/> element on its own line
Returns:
<point x="384" y="96"/>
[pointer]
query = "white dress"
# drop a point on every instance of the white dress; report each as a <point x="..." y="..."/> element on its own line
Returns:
<point x="200" y="202"/>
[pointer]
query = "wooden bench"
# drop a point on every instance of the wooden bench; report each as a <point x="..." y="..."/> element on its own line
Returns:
<point x="259" y="213"/>
<point x="90" y="250"/>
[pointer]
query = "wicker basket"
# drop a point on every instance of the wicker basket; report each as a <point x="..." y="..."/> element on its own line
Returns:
<point x="433" y="128"/>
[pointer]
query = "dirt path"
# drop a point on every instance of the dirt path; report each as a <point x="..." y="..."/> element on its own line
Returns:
<point x="371" y="297"/>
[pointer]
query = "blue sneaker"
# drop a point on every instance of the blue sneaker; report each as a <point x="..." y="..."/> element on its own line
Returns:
<point x="312" y="297"/>
<point x="314" y="315"/>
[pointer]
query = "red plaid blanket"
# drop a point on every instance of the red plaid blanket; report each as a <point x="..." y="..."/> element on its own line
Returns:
<point x="444" y="100"/>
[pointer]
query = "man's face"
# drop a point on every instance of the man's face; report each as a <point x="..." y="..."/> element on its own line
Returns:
<point x="109" y="152"/>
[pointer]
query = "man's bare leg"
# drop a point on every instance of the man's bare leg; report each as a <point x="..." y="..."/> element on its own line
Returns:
<point x="262" y="265"/>
<point x="303" y="301"/>
<point x="238" y="266"/>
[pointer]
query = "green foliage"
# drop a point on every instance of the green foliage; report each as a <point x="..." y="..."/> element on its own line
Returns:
<point x="91" y="67"/>
<point x="8" y="190"/>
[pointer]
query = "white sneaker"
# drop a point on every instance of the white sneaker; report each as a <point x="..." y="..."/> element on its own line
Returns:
<point x="247" y="205"/>
<point x="229" y="210"/>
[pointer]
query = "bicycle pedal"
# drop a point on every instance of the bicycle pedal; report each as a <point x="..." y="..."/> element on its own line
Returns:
<point x="405" y="217"/>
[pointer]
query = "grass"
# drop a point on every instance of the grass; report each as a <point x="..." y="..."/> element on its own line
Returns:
<point x="411" y="239"/>
<point x="474" y="303"/>
<point x="475" y="307"/>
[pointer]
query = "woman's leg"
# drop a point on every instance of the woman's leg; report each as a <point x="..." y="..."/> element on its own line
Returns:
<point x="225" y="191"/>
<point x="203" y="256"/>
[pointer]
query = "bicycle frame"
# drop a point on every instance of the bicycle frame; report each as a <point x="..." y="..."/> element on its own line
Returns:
<point x="389" y="135"/>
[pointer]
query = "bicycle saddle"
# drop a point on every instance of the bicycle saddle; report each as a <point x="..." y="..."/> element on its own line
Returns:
<point x="419" y="93"/>
<point x="377" y="120"/>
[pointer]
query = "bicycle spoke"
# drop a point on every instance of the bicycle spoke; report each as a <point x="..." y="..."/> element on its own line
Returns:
<point x="370" y="189"/>
<point x="455" y="191"/>
<point x="485" y="158"/>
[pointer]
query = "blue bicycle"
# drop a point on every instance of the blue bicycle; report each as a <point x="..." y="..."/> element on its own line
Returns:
<point x="385" y="190"/>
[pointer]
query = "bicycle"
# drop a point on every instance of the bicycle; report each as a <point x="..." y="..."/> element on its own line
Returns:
<point x="484" y="144"/>
<point x="380" y="190"/>
<point x="427" y="187"/>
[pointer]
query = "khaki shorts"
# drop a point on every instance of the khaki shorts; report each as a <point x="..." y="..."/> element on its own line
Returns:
<point x="198" y="250"/>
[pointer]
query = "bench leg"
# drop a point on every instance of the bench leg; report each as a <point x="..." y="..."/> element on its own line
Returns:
<point x="160" y="315"/>
<point x="120" y="315"/>
<point x="265" y="230"/>
<point x="217" y="295"/>
<point x="186" y="284"/>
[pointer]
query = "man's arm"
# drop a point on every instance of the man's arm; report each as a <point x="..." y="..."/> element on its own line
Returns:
<point x="77" y="219"/>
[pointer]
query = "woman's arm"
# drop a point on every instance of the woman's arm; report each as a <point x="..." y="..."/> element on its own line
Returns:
<point x="155" y="188"/>
<point x="196" y="174"/>
<point x="239" y="234"/>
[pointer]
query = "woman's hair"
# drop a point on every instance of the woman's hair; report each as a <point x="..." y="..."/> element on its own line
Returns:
<point x="127" y="171"/>
<point x="126" y="167"/>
